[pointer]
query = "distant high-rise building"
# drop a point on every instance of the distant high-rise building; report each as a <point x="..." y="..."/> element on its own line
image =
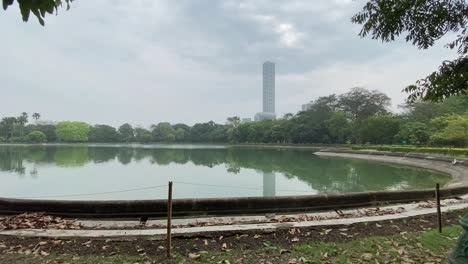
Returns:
<point x="269" y="87"/>
<point x="268" y="93"/>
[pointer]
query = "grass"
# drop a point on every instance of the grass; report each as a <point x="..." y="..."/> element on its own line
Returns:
<point x="455" y="152"/>
<point x="421" y="247"/>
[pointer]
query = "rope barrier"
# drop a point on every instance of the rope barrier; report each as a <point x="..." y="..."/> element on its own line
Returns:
<point x="159" y="186"/>
<point x="239" y="187"/>
<point x="91" y="194"/>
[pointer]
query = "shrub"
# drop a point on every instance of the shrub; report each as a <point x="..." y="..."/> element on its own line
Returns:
<point x="18" y="139"/>
<point x="37" y="137"/>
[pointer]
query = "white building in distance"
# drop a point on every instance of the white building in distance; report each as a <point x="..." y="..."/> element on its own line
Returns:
<point x="307" y="107"/>
<point x="268" y="93"/>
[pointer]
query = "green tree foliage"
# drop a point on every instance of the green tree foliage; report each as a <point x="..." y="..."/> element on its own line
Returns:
<point x="338" y="127"/>
<point x="231" y="124"/>
<point x="38" y="7"/>
<point x="103" y="133"/>
<point x="360" y="103"/>
<point x="21" y="121"/>
<point x="126" y="133"/>
<point x="414" y="133"/>
<point x="142" y="135"/>
<point x="47" y="129"/>
<point x="70" y="131"/>
<point x="380" y="129"/>
<point x="423" y="22"/>
<point x="180" y="135"/>
<point x="208" y="132"/>
<point x="325" y="104"/>
<point x="454" y="131"/>
<point x="37" y="137"/>
<point x="163" y="132"/>
<point x="7" y="127"/>
<point x="280" y="130"/>
<point x="186" y="129"/>
<point x="423" y="111"/>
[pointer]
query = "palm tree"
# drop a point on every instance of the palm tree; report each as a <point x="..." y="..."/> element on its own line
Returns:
<point x="36" y="116"/>
<point x="7" y="125"/>
<point x="22" y="120"/>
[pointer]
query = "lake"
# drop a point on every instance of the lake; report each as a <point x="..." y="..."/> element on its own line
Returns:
<point x="115" y="172"/>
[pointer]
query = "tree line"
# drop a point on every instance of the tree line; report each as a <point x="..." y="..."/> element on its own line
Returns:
<point x="359" y="116"/>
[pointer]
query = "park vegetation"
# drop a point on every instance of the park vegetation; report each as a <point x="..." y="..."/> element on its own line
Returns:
<point x="359" y="116"/>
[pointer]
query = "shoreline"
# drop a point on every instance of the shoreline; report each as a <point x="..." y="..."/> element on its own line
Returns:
<point x="458" y="173"/>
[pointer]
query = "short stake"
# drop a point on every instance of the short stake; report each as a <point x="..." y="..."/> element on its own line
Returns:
<point x="169" y="220"/>
<point x="439" y="215"/>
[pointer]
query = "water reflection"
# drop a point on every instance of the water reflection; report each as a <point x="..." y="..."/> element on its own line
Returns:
<point x="325" y="175"/>
<point x="269" y="184"/>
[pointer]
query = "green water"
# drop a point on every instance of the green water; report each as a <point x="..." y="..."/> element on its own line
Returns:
<point x="95" y="172"/>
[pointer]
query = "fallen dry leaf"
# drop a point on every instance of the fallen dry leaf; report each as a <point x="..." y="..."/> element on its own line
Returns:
<point x="194" y="256"/>
<point x="36" y="221"/>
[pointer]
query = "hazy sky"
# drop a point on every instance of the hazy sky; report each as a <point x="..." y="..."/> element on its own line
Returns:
<point x="147" y="61"/>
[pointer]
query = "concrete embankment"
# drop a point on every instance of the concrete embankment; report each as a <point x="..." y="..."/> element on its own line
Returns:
<point x="223" y="206"/>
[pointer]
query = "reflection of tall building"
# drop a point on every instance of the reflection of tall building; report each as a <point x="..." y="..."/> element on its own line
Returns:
<point x="269" y="184"/>
<point x="268" y="93"/>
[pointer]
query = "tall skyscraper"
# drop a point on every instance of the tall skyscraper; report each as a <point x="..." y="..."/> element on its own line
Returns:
<point x="268" y="92"/>
<point x="269" y="87"/>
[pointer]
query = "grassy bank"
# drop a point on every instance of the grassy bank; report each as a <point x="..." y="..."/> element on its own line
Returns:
<point x="406" y="240"/>
<point x="459" y="152"/>
<point x="417" y="247"/>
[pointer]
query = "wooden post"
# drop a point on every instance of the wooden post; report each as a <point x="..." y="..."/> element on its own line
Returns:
<point x="169" y="220"/>
<point x="439" y="215"/>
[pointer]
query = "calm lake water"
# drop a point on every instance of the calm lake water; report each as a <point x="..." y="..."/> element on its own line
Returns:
<point x="113" y="172"/>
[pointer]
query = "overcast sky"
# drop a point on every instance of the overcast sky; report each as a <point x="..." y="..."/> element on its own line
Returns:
<point x="148" y="61"/>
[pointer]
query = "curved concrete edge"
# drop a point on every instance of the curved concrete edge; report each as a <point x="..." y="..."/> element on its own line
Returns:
<point x="221" y="206"/>
<point x="160" y="233"/>
<point x="459" y="173"/>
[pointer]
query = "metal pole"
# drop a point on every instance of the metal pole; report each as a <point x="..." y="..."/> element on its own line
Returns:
<point x="439" y="215"/>
<point x="169" y="220"/>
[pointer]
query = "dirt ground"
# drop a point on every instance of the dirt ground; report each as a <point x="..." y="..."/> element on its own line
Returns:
<point x="247" y="241"/>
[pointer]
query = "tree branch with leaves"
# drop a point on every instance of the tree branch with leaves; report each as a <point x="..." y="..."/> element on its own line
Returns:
<point x="423" y="22"/>
<point x="38" y="7"/>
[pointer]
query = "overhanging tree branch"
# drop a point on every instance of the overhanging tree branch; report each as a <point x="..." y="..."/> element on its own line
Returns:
<point x="423" y="22"/>
<point x="38" y="7"/>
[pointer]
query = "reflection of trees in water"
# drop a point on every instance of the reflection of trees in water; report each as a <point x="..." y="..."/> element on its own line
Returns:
<point x="124" y="155"/>
<point x="71" y="157"/>
<point x="323" y="174"/>
<point x="12" y="160"/>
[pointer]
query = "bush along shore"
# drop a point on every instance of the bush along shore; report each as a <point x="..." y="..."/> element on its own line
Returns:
<point x="461" y="152"/>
